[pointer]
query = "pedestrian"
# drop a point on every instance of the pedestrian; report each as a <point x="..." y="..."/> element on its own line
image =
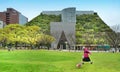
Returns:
<point x="86" y="57"/>
<point x="113" y="50"/>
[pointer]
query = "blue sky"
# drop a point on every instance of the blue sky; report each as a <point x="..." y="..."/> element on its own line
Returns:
<point x="108" y="10"/>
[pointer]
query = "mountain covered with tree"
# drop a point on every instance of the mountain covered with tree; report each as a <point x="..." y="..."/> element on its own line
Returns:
<point x="90" y="29"/>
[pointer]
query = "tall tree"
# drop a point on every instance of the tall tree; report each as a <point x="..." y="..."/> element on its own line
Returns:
<point x="114" y="37"/>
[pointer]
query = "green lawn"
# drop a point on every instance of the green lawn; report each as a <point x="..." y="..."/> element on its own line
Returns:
<point x="56" y="61"/>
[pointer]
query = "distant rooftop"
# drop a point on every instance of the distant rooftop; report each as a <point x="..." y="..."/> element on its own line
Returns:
<point x="60" y="12"/>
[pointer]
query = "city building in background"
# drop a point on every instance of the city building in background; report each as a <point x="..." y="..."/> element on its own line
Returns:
<point x="12" y="16"/>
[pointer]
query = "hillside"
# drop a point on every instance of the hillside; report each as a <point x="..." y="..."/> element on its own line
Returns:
<point x="90" y="28"/>
<point x="43" y="21"/>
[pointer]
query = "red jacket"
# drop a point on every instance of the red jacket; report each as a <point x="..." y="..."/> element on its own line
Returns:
<point x="86" y="52"/>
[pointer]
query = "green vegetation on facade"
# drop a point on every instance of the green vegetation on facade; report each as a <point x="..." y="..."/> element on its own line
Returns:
<point x="43" y="21"/>
<point x="90" y="29"/>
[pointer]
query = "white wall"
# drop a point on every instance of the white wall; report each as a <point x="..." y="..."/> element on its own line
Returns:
<point x="52" y="12"/>
<point x="1" y="24"/>
<point x="22" y="19"/>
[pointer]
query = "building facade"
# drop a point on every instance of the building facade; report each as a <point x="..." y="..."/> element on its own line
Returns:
<point x="12" y="16"/>
<point x="64" y="31"/>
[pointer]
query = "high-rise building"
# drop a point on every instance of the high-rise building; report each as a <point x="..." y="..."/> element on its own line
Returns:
<point x="12" y="16"/>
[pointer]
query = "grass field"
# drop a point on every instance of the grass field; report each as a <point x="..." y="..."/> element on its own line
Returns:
<point x="56" y="61"/>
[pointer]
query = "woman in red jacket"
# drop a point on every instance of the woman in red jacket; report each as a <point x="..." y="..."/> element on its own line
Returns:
<point x="86" y="57"/>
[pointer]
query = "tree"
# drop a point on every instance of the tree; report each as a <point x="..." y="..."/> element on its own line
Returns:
<point x="114" y="37"/>
<point x="15" y="35"/>
<point x="3" y="37"/>
<point x="31" y="35"/>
